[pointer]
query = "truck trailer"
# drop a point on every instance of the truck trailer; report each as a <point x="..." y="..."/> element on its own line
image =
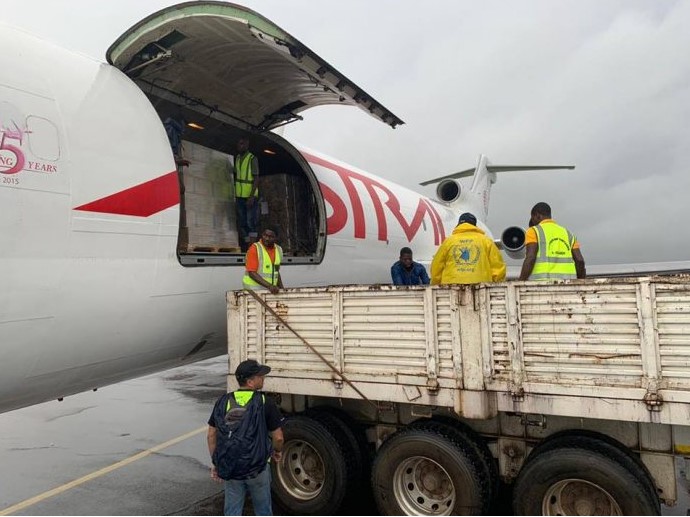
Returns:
<point x="575" y="392"/>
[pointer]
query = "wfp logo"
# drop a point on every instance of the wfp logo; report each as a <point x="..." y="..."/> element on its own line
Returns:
<point x="466" y="255"/>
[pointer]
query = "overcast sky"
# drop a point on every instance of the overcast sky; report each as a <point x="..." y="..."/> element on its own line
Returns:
<point x="603" y="84"/>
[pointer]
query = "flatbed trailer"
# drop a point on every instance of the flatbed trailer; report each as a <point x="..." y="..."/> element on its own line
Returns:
<point x="577" y="392"/>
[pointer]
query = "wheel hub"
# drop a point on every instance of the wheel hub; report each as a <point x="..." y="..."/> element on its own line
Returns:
<point x="302" y="470"/>
<point x="423" y="487"/>
<point x="578" y="497"/>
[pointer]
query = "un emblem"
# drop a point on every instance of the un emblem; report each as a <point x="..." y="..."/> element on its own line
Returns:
<point x="466" y="255"/>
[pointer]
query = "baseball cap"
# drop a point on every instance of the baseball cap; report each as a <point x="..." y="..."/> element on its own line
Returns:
<point x="467" y="217"/>
<point x="250" y="368"/>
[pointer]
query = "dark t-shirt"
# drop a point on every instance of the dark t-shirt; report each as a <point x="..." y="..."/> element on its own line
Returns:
<point x="274" y="419"/>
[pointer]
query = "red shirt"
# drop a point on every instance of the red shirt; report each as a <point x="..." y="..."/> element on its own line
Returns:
<point x="251" y="261"/>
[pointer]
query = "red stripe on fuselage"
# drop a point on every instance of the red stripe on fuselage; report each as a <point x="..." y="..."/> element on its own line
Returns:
<point x="374" y="188"/>
<point x="141" y="200"/>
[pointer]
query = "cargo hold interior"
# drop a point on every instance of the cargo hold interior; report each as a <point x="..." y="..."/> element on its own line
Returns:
<point x="208" y="221"/>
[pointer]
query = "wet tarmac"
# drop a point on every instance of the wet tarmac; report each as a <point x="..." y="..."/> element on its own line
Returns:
<point x="75" y="457"/>
<point x="135" y="448"/>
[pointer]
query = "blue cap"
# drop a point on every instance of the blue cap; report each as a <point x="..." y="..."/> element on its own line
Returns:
<point x="468" y="218"/>
<point x="250" y="368"/>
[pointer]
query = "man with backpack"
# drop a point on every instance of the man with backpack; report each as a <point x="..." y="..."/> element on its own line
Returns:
<point x="244" y="433"/>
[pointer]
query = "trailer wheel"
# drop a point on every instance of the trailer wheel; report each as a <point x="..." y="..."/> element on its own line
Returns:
<point x="353" y="446"/>
<point x="583" y="476"/>
<point x="427" y="471"/>
<point x="311" y="479"/>
<point x="467" y="436"/>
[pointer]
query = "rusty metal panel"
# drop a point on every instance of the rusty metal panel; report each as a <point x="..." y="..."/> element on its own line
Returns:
<point x="612" y="349"/>
<point x="311" y="316"/>
<point x="498" y="334"/>
<point x="444" y="332"/>
<point x="384" y="332"/>
<point x="673" y="324"/>
<point x="251" y="329"/>
<point x="578" y="334"/>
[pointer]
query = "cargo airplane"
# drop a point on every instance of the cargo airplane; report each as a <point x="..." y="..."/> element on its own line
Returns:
<point x="116" y="254"/>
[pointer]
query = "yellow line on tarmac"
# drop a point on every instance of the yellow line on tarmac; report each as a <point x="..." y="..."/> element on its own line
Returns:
<point x="67" y="486"/>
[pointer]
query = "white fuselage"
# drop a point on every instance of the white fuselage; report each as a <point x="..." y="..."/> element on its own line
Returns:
<point x="88" y="298"/>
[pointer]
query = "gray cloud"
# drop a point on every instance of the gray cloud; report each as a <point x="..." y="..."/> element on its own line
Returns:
<point x="602" y="84"/>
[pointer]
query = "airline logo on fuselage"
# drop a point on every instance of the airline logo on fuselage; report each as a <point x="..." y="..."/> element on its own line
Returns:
<point x="15" y="143"/>
<point x="380" y="196"/>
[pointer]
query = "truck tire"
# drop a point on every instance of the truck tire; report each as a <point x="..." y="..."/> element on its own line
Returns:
<point x="358" y="431"/>
<point x="353" y="442"/>
<point x="606" y="445"/>
<point x="355" y="456"/>
<point x="311" y="479"/>
<point x="581" y="475"/>
<point x="427" y="471"/>
<point x="474" y="441"/>
<point x="467" y="435"/>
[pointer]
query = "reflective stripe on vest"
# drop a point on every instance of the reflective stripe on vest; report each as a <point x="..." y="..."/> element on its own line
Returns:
<point x="242" y="397"/>
<point x="244" y="179"/>
<point x="267" y="269"/>
<point x="555" y="255"/>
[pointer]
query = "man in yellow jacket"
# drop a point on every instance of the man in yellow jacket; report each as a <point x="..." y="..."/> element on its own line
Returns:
<point x="467" y="256"/>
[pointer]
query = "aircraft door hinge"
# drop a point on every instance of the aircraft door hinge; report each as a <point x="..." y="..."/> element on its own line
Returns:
<point x="151" y="58"/>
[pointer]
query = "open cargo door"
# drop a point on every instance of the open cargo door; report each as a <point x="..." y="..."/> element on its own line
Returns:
<point x="228" y="59"/>
<point x="216" y="72"/>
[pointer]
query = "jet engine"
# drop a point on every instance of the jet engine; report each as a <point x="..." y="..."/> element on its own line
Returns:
<point x="448" y="190"/>
<point x="513" y="242"/>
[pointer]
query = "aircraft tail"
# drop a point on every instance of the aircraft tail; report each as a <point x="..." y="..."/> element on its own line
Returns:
<point x="450" y="192"/>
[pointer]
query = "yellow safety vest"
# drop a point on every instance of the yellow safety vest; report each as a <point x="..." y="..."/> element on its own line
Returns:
<point x="555" y="253"/>
<point x="244" y="179"/>
<point x="267" y="270"/>
<point x="242" y="397"/>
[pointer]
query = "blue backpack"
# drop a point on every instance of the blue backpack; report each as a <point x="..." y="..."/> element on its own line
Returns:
<point x="243" y="446"/>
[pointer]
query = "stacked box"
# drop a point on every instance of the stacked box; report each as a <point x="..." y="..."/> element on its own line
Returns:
<point x="209" y="222"/>
<point x="287" y="206"/>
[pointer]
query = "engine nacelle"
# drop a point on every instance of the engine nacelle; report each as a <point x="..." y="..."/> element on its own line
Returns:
<point x="513" y="241"/>
<point x="448" y="190"/>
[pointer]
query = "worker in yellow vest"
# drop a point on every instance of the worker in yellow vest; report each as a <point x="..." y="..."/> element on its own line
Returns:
<point x="552" y="252"/>
<point x="262" y="264"/>
<point x="246" y="171"/>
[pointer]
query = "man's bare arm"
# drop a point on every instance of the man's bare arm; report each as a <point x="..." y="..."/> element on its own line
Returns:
<point x="277" y="441"/>
<point x="211" y="441"/>
<point x="579" y="263"/>
<point x="530" y="260"/>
